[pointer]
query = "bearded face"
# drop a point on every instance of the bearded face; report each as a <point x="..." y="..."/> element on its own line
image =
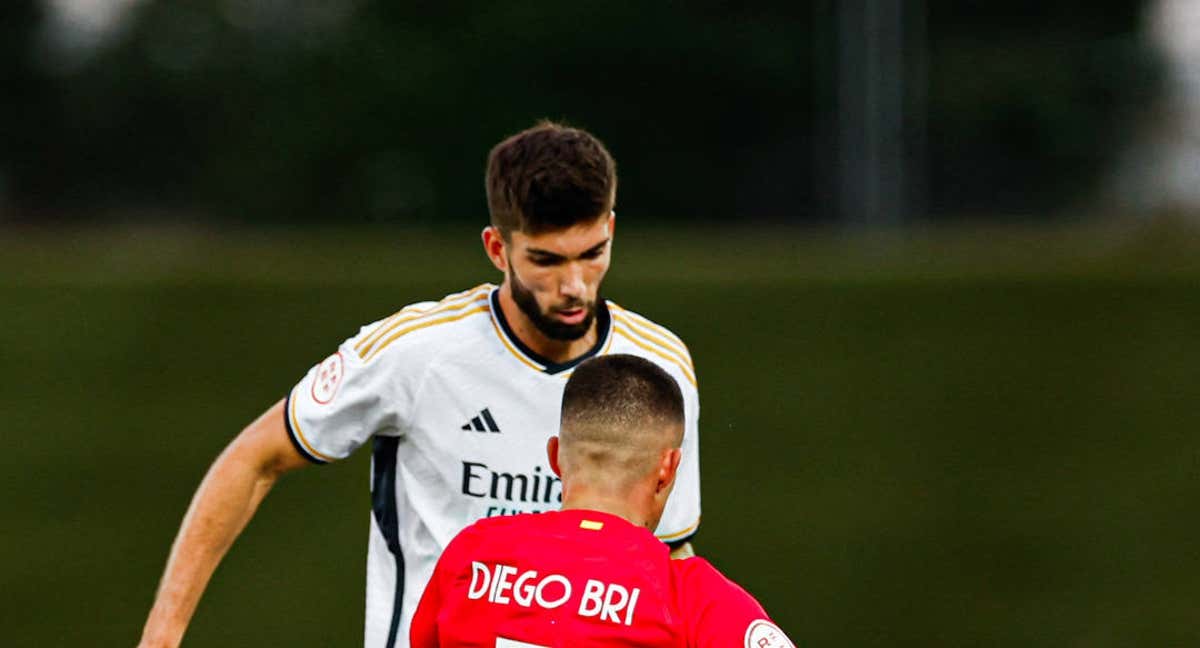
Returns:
<point x="557" y="321"/>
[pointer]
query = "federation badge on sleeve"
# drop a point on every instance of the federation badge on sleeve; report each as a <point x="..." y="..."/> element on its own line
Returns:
<point x="764" y="634"/>
<point x="329" y="377"/>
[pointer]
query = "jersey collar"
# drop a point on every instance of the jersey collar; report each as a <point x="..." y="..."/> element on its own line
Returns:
<point x="535" y="360"/>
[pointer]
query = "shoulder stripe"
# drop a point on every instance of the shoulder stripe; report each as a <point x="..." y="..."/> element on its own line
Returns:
<point x="687" y="372"/>
<point x="409" y="313"/>
<point x="423" y="324"/>
<point x="638" y="321"/>
<point x="404" y="317"/>
<point x="646" y="336"/>
<point x="413" y="311"/>
<point x="423" y="307"/>
<point x="670" y="537"/>
<point x="294" y="427"/>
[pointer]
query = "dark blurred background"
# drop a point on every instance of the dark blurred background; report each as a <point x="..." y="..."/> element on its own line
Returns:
<point x="287" y="111"/>
<point x="937" y="263"/>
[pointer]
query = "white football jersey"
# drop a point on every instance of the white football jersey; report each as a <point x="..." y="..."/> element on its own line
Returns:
<point x="459" y="412"/>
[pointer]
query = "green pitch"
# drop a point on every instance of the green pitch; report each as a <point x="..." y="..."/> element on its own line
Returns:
<point x="982" y="439"/>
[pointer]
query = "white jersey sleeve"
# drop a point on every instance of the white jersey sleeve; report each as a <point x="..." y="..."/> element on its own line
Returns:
<point x="681" y="517"/>
<point x="344" y="401"/>
<point x="640" y="336"/>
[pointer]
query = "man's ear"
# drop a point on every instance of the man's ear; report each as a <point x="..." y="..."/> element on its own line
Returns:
<point x="493" y="247"/>
<point x="668" y="466"/>
<point x="552" y="453"/>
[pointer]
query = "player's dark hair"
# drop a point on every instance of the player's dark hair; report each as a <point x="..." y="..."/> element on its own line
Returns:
<point x="620" y="391"/>
<point x="549" y="177"/>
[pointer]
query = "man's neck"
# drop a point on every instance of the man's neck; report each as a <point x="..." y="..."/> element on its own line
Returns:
<point x="554" y="350"/>
<point x="622" y="507"/>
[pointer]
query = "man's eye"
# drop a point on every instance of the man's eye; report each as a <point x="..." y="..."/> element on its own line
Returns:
<point x="543" y="261"/>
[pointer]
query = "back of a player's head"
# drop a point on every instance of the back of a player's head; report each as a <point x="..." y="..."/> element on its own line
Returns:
<point x="549" y="177"/>
<point x="619" y="414"/>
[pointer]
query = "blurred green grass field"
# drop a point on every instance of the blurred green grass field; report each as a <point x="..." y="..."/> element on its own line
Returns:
<point x="983" y="438"/>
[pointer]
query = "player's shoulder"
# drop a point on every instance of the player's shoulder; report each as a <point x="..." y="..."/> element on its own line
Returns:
<point x="497" y="526"/>
<point x="718" y="608"/>
<point x="644" y="327"/>
<point x="525" y="526"/>
<point x="695" y="569"/>
<point x="427" y="326"/>
<point x="697" y="575"/>
<point x="492" y="535"/>
<point x="642" y="336"/>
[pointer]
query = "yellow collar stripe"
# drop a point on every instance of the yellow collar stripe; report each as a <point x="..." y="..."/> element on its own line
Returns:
<point x="512" y="349"/>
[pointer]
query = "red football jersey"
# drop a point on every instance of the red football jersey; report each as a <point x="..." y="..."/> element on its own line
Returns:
<point x="581" y="578"/>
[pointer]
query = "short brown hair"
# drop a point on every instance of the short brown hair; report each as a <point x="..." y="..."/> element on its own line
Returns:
<point x="614" y="399"/>
<point x="549" y="177"/>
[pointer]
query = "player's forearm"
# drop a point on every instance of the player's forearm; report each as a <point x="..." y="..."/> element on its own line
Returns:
<point x="222" y="506"/>
<point x="219" y="511"/>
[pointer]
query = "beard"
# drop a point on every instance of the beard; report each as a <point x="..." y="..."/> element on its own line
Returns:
<point x="550" y="327"/>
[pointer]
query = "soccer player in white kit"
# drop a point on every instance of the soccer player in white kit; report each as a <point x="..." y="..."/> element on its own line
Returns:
<point x="457" y="397"/>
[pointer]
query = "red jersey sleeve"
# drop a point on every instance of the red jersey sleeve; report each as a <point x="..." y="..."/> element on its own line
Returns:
<point x="719" y="613"/>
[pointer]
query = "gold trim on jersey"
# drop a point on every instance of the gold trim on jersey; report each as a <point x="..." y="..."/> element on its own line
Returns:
<point x="300" y="435"/>
<point x="665" y="345"/>
<point x="638" y="320"/>
<point x="642" y="342"/>
<point x="533" y="364"/>
<point x="456" y="301"/>
<point x="681" y="534"/>
<point x="527" y="361"/>
<point x="424" y="322"/>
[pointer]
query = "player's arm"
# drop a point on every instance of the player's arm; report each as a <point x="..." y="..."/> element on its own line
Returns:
<point x="223" y="504"/>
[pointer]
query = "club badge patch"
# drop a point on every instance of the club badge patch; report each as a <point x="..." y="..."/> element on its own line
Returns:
<point x="764" y="634"/>
<point x="328" y="379"/>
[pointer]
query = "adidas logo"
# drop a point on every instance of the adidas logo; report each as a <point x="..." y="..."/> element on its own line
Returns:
<point x="482" y="423"/>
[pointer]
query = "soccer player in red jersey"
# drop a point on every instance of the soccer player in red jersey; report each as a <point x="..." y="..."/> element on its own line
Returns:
<point x="593" y="574"/>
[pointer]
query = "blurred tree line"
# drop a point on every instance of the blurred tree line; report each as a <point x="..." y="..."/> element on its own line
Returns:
<point x="304" y="111"/>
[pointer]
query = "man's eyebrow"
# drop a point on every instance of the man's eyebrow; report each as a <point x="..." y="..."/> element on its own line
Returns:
<point x="548" y="253"/>
<point x="597" y="247"/>
<point x="541" y="252"/>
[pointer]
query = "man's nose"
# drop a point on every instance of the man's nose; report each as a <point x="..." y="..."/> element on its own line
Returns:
<point x="572" y="284"/>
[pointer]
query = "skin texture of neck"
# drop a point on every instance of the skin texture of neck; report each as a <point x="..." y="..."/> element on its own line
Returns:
<point x="553" y="350"/>
<point x="628" y="506"/>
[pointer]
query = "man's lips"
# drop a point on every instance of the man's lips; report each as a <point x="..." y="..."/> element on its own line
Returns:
<point x="571" y="315"/>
